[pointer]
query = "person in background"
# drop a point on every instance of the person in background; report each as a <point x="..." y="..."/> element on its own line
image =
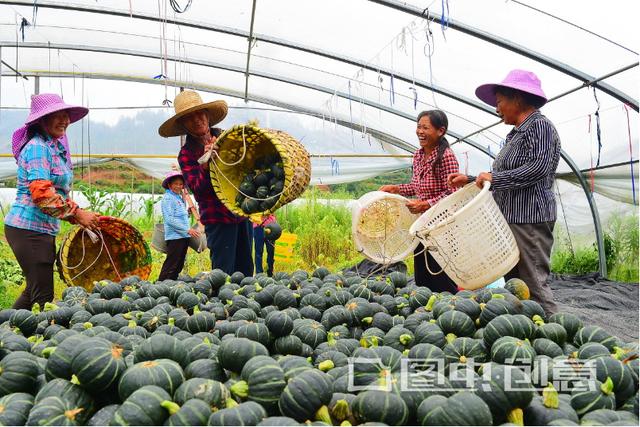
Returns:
<point x="176" y="226"/>
<point x="228" y="235"/>
<point x="45" y="174"/>
<point x="432" y="163"/>
<point x="260" y="242"/>
<point x="522" y="177"/>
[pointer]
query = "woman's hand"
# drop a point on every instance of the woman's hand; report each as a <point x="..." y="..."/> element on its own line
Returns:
<point x="417" y="206"/>
<point x="194" y="233"/>
<point x="393" y="189"/>
<point x="87" y="219"/>
<point x="457" y="180"/>
<point x="484" y="176"/>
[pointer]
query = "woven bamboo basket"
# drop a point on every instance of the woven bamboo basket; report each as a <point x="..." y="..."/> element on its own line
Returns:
<point x="118" y="252"/>
<point x="240" y="147"/>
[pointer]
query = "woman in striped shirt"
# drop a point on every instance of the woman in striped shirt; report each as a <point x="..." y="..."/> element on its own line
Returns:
<point x="522" y="177"/>
<point x="432" y="163"/>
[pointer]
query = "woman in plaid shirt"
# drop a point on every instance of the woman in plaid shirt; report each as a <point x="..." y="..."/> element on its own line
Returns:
<point x="44" y="181"/>
<point x="432" y="163"/>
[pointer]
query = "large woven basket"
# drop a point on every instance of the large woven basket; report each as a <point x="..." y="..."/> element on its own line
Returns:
<point x="240" y="146"/>
<point x="468" y="236"/>
<point x="380" y="226"/>
<point x="119" y="251"/>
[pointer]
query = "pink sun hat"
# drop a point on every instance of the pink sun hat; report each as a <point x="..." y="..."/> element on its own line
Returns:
<point x="41" y="105"/>
<point x="169" y="176"/>
<point x="522" y="80"/>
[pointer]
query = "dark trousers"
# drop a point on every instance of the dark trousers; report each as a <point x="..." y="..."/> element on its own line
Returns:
<point x="36" y="253"/>
<point x="534" y="242"/>
<point x="174" y="263"/>
<point x="259" y="243"/>
<point x="438" y="282"/>
<point x="230" y="247"/>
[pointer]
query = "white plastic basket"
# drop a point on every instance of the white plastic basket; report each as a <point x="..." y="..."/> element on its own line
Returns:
<point x="380" y="227"/>
<point x="468" y="236"/>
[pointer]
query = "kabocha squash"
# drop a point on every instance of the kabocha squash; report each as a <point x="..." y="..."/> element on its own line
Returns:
<point x="607" y="417"/>
<point x="163" y="373"/>
<point x="462" y="409"/>
<point x="60" y="357"/>
<point x="98" y="364"/>
<point x="380" y="406"/>
<point x="609" y="368"/>
<point x="161" y="346"/>
<point x="518" y="326"/>
<point x="591" y="350"/>
<point x="103" y="416"/>
<point x="234" y="353"/>
<point x="507" y="390"/>
<point x="288" y="345"/>
<point x="306" y="396"/>
<point x="71" y="392"/>
<point x="55" y="410"/>
<point x="518" y="288"/>
<point x="595" y="334"/>
<point x="465" y="351"/>
<point x="590" y="395"/>
<point x="399" y="338"/>
<point x="512" y="351"/>
<point x="143" y="408"/>
<point x="24" y="322"/>
<point x="551" y="406"/>
<point x="18" y="373"/>
<point x="293" y="365"/>
<point x="15" y="408"/>
<point x="194" y="412"/>
<point x="571" y="323"/>
<point x="258" y="332"/>
<point x="245" y="414"/>
<point x="553" y="331"/>
<point x="544" y="346"/>
<point x="262" y="382"/>
<point x="214" y="393"/>
<point x="429" y="333"/>
<point x="456" y="324"/>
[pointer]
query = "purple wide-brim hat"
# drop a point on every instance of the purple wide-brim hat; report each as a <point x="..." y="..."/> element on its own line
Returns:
<point x="41" y="105"/>
<point x="522" y="80"/>
<point x="169" y="176"/>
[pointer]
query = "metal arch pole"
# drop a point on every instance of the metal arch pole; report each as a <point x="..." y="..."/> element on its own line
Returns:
<point x="250" y="39"/>
<point x="602" y="257"/>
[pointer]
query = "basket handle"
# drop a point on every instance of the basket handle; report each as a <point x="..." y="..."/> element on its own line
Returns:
<point x="426" y="262"/>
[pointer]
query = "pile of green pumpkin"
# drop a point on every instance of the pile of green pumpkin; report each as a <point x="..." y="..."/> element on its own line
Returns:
<point x="314" y="349"/>
<point x="261" y="187"/>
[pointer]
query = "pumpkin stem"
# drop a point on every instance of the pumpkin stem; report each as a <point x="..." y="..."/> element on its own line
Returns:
<point x="231" y="403"/>
<point x="132" y="323"/>
<point x="550" y="397"/>
<point x="497" y="296"/>
<point x="323" y="415"/>
<point x="75" y="380"/>
<point x="331" y="338"/>
<point x="451" y="337"/>
<point x="432" y="300"/>
<point x="171" y="321"/>
<point x="48" y="352"/>
<point x="71" y="413"/>
<point x="49" y="306"/>
<point x="367" y="320"/>
<point x="240" y="389"/>
<point x="619" y="353"/>
<point x="35" y="308"/>
<point x="607" y="386"/>
<point x="327" y="365"/>
<point x="340" y="410"/>
<point x="538" y="320"/>
<point x="516" y="416"/>
<point x="87" y="325"/>
<point x="405" y="339"/>
<point x="463" y="359"/>
<point x="345" y="423"/>
<point x="170" y="406"/>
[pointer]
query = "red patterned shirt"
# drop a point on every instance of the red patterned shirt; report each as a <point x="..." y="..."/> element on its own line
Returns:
<point x="197" y="178"/>
<point x="429" y="184"/>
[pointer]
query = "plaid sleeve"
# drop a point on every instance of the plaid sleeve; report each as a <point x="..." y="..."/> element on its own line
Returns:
<point x="37" y="161"/>
<point x="448" y="166"/>
<point x="194" y="173"/>
<point x="408" y="190"/>
<point x="46" y="198"/>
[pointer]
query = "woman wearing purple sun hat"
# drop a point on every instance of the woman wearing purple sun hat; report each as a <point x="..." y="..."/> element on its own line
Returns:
<point x="44" y="181"/>
<point x="522" y="177"/>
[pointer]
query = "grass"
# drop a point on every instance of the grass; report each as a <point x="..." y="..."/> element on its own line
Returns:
<point x="324" y="239"/>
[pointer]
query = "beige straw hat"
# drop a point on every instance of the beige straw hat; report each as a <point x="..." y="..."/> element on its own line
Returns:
<point x="187" y="102"/>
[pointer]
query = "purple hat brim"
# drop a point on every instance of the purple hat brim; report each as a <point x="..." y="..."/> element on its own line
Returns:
<point x="487" y="93"/>
<point x="75" y="113"/>
<point x="165" y="182"/>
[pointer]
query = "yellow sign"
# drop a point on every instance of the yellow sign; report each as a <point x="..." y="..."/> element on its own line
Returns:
<point x="284" y="247"/>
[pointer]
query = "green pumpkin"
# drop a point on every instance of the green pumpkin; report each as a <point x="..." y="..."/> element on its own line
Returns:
<point x="262" y="381"/>
<point x="289" y="344"/>
<point x="463" y="408"/>
<point x="193" y="412"/>
<point x="98" y="364"/>
<point x="553" y="331"/>
<point x="381" y="407"/>
<point x="214" y="393"/>
<point x="607" y="417"/>
<point x="247" y="189"/>
<point x="15" y="408"/>
<point x="24" y="321"/>
<point x="245" y="414"/>
<point x="429" y="333"/>
<point x="306" y="396"/>
<point x="293" y="365"/>
<point x="608" y="367"/>
<point x="250" y="206"/>
<point x="280" y="323"/>
<point x="149" y="397"/>
<point x="200" y="321"/>
<point x="551" y="406"/>
<point x="591" y="350"/>
<point x="69" y="391"/>
<point x="465" y="350"/>
<point x="570" y="322"/>
<point x="235" y="352"/>
<point x="258" y="332"/>
<point x="163" y="373"/>
<point x="272" y="231"/>
<point x="399" y="338"/>
<point x="512" y="351"/>
<point x="456" y="324"/>
<point x="104" y="416"/>
<point x="506" y="390"/>
<point x="588" y="396"/>
<point x="595" y="334"/>
<point x="544" y="346"/>
<point x="18" y="373"/>
<point x="54" y="410"/>
<point x="161" y="346"/>
<point x="517" y="326"/>
<point x="262" y="192"/>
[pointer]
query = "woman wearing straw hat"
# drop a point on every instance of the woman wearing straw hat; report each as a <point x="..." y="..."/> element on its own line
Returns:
<point x="228" y="235"/>
<point x="522" y="177"/>
<point x="432" y="163"/>
<point x="45" y="174"/>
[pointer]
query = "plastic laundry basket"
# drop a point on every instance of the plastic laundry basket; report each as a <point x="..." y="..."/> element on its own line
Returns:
<point x="468" y="236"/>
<point x="380" y="227"/>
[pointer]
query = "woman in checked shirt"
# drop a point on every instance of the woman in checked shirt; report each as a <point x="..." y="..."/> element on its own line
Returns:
<point x="432" y="163"/>
<point x="522" y="177"/>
